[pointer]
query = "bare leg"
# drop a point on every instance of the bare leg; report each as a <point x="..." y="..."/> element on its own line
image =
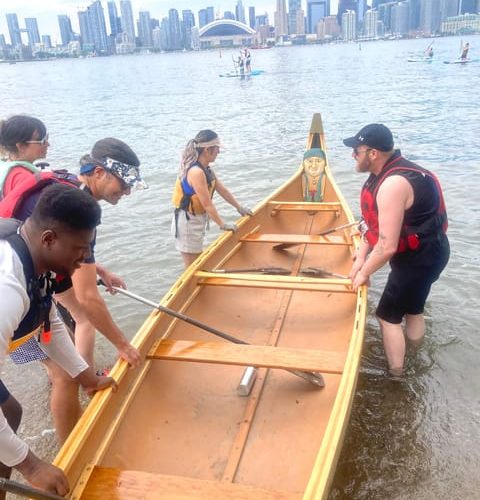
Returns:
<point x="64" y="402"/>
<point x="84" y="330"/>
<point x="13" y="413"/>
<point x="415" y="328"/>
<point x="394" y="345"/>
<point x="188" y="258"/>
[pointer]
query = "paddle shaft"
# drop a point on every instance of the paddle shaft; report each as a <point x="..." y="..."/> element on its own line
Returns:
<point x="282" y="246"/>
<point x="312" y="377"/>
<point x="261" y="270"/>
<point x="26" y="491"/>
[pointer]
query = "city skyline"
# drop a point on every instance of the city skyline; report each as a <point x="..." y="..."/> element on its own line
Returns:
<point x="46" y="12"/>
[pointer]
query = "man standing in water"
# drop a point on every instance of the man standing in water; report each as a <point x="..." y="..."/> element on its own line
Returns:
<point x="404" y="211"/>
<point x="57" y="237"/>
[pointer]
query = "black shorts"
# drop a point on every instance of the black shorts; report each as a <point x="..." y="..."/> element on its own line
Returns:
<point x="408" y="284"/>
<point x="4" y="393"/>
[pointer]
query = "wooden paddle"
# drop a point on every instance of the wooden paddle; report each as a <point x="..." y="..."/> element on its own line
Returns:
<point x="282" y="246"/>
<point x="26" y="491"/>
<point x="312" y="377"/>
<point x="318" y="271"/>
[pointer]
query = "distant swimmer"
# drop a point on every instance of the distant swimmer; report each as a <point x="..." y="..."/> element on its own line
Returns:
<point x="248" y="61"/>
<point x="429" y="52"/>
<point x="465" y="50"/>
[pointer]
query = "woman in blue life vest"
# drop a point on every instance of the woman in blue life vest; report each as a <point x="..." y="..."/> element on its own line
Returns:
<point x="192" y="196"/>
<point x="406" y="221"/>
<point x="23" y="140"/>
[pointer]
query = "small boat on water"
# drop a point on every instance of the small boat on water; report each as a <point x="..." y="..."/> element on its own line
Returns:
<point x="191" y="422"/>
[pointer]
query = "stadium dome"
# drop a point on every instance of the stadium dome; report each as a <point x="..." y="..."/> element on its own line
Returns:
<point x="225" y="28"/>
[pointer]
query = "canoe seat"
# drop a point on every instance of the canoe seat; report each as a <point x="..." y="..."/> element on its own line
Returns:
<point x="296" y="239"/>
<point x="302" y="283"/>
<point x="109" y="483"/>
<point x="249" y="355"/>
<point x="292" y="206"/>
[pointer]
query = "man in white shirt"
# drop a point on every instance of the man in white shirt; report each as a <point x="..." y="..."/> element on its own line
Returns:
<point x="56" y="238"/>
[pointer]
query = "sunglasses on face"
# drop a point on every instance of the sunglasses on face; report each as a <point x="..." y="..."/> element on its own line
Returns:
<point x="356" y="152"/>
<point x="41" y="141"/>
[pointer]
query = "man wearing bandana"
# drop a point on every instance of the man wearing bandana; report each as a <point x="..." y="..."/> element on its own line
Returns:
<point x="109" y="172"/>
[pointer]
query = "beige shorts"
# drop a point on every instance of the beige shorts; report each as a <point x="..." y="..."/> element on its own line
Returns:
<point x="190" y="232"/>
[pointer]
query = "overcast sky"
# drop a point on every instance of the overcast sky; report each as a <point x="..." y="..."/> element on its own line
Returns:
<point x="46" y="11"/>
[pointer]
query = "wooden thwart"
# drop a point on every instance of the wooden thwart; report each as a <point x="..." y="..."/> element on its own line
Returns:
<point x="292" y="206"/>
<point x="108" y="483"/>
<point x="249" y="355"/>
<point x="336" y="285"/>
<point x="295" y="239"/>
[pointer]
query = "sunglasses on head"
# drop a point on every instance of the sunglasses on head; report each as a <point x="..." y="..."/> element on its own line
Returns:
<point x="41" y="141"/>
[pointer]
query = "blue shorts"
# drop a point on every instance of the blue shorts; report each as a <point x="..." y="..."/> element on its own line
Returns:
<point x="4" y="393"/>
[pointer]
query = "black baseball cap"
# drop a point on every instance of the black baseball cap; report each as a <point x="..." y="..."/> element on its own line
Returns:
<point x="375" y="135"/>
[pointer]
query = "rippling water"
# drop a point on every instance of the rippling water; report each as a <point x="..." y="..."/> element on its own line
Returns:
<point x="417" y="438"/>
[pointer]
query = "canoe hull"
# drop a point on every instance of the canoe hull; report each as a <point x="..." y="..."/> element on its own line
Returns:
<point x="179" y="417"/>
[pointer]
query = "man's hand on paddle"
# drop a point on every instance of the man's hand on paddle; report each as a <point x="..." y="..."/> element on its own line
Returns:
<point x="43" y="475"/>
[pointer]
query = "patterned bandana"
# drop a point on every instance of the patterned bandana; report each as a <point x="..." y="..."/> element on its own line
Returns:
<point x="129" y="174"/>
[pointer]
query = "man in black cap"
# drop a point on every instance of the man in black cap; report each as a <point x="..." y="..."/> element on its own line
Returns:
<point x="405" y="224"/>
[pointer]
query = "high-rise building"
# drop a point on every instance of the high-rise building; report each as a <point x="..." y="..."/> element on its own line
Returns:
<point x="210" y="15"/>
<point x="47" y="41"/>
<point x="429" y="16"/>
<point x="361" y="9"/>
<point x="228" y="14"/>
<point x="240" y="12"/>
<point x="145" y="29"/>
<point x="370" y="23"/>
<point x="86" y="33"/>
<point x="14" y="30"/>
<point x="251" y="17"/>
<point x="99" y="29"/>
<point x="281" y="20"/>
<point x="468" y="7"/>
<point x="400" y="18"/>
<point x="202" y="18"/>
<point x="115" y="22"/>
<point x="188" y="24"/>
<point x="385" y="15"/>
<point x="66" y="32"/>
<point x="376" y="3"/>
<point x="128" y="25"/>
<point x="31" y="26"/>
<point x="175" y="31"/>
<point x="3" y="42"/>
<point x="343" y="6"/>
<point x="293" y="7"/>
<point x="349" y="25"/>
<point x="414" y="21"/>
<point x="316" y="10"/>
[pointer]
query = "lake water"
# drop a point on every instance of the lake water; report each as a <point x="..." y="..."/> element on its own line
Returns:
<point x="417" y="438"/>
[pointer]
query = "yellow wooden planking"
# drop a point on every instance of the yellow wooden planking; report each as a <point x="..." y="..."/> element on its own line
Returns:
<point x="334" y="206"/>
<point x="249" y="355"/>
<point x="115" y="484"/>
<point x="334" y="285"/>
<point x="295" y="239"/>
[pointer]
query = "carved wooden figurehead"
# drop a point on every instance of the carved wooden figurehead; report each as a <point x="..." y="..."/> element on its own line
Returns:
<point x="313" y="164"/>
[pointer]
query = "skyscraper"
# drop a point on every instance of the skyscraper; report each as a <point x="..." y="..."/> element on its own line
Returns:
<point x="251" y="17"/>
<point x="128" y="25"/>
<point x="429" y="16"/>
<point x="66" y="32"/>
<point x="240" y="12"/>
<point x="316" y="10"/>
<point x="99" y="29"/>
<point x="281" y="23"/>
<point x="370" y="23"/>
<point x="202" y="18"/>
<point x="175" y="30"/>
<point x="468" y="7"/>
<point x="343" y="6"/>
<point x="115" y="24"/>
<point x="210" y="15"/>
<point x="145" y="29"/>
<point x="349" y="25"/>
<point x="293" y="7"/>
<point x="47" y="41"/>
<point x="361" y="9"/>
<point x="400" y="18"/>
<point x="14" y="29"/>
<point x="85" y="30"/>
<point x="188" y="23"/>
<point x="31" y="26"/>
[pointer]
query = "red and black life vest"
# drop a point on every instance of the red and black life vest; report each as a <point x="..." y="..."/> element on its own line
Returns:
<point x="31" y="184"/>
<point x="39" y="289"/>
<point x="424" y="219"/>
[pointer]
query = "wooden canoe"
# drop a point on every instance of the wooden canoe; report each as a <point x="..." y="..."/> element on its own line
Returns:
<point x="177" y="428"/>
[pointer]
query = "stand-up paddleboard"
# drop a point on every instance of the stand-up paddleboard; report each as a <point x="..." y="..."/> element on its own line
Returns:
<point x="233" y="74"/>
<point x="420" y="59"/>
<point x="460" y="61"/>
